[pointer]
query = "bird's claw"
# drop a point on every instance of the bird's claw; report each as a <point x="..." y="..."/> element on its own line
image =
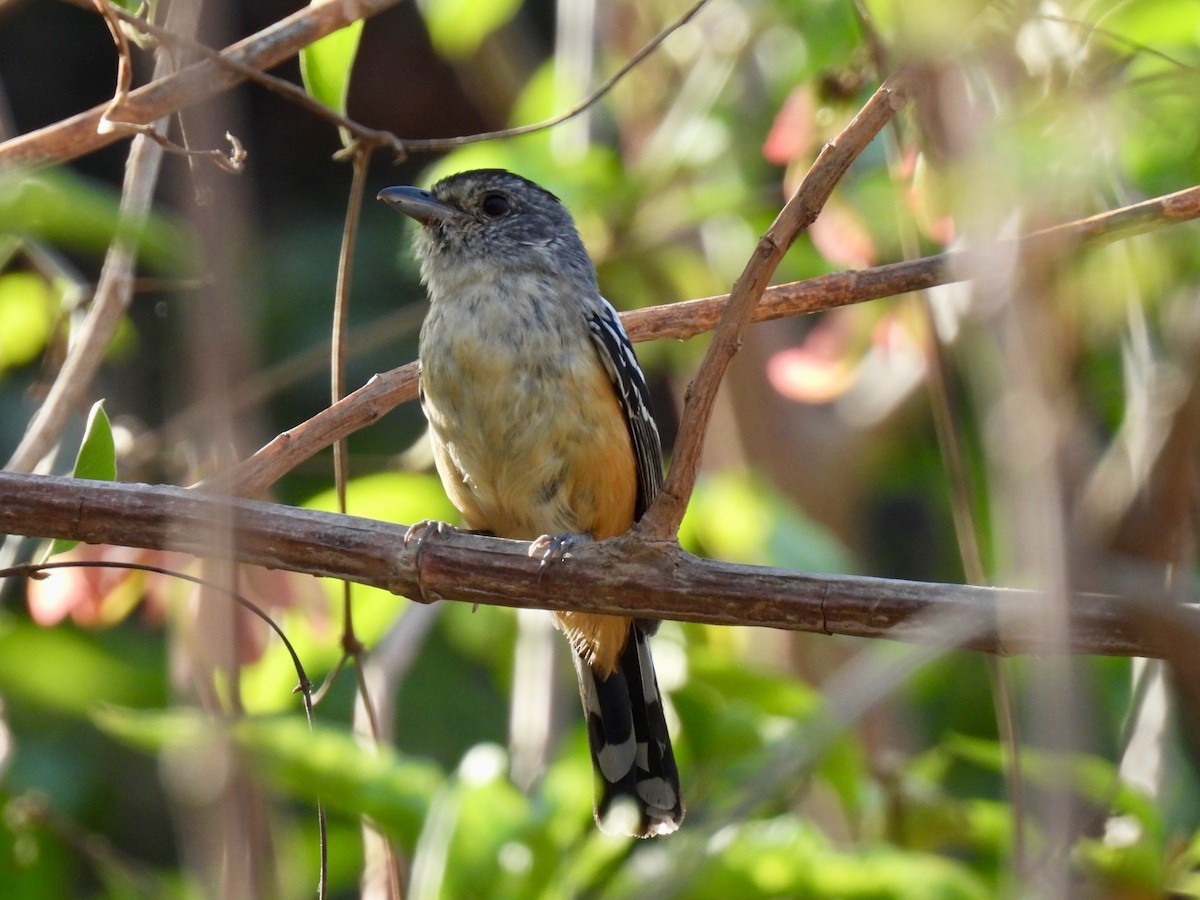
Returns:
<point x="422" y="531"/>
<point x="418" y="534"/>
<point x="552" y="548"/>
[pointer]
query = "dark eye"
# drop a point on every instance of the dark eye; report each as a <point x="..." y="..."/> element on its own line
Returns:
<point x="495" y="205"/>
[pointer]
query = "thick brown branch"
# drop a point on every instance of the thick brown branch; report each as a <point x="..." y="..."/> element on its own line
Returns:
<point x="80" y="134"/>
<point x="615" y="577"/>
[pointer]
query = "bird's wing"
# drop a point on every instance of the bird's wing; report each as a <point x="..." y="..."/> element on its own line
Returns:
<point x="616" y="352"/>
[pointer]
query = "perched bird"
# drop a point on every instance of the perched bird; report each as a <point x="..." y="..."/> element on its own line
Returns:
<point x="541" y="427"/>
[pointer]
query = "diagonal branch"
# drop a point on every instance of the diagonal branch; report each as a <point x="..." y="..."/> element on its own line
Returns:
<point x="656" y="580"/>
<point x="662" y="520"/>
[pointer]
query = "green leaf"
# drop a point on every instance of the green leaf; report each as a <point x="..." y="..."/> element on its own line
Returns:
<point x="147" y="10"/>
<point x="458" y="27"/>
<point x="332" y="765"/>
<point x="489" y="815"/>
<point x="325" y="66"/>
<point x="97" y="459"/>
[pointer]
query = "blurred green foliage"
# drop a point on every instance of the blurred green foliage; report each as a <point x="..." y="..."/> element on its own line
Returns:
<point x="796" y="787"/>
<point x="27" y="306"/>
<point x="69" y="212"/>
<point x="458" y="27"/>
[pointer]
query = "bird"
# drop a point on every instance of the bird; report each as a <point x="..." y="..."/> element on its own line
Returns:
<point x="542" y="431"/>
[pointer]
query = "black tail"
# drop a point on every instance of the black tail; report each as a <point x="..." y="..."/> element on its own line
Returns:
<point x="638" y="783"/>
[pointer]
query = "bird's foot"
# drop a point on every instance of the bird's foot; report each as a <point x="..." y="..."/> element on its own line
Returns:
<point x="422" y="531"/>
<point x="552" y="548"/>
<point x="418" y="534"/>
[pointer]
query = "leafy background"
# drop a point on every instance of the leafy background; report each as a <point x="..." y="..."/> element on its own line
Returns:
<point x="813" y="766"/>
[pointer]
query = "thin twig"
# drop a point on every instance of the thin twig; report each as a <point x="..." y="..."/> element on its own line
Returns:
<point x="337" y="363"/>
<point x="953" y="448"/>
<point x="113" y="15"/>
<point x="355" y="411"/>
<point x="352" y="647"/>
<point x="952" y="444"/>
<point x="1136" y="47"/>
<point x="260" y="386"/>
<point x="37" y="570"/>
<point x="124" y="62"/>
<point x="689" y="318"/>
<point x="232" y="161"/>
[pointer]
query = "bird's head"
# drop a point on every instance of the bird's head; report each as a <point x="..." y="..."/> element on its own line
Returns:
<point x="482" y="223"/>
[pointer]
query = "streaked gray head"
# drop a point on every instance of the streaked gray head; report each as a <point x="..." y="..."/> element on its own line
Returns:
<point x="486" y="222"/>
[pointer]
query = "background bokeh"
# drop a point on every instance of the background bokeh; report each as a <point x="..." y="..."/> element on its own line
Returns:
<point x="813" y="766"/>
